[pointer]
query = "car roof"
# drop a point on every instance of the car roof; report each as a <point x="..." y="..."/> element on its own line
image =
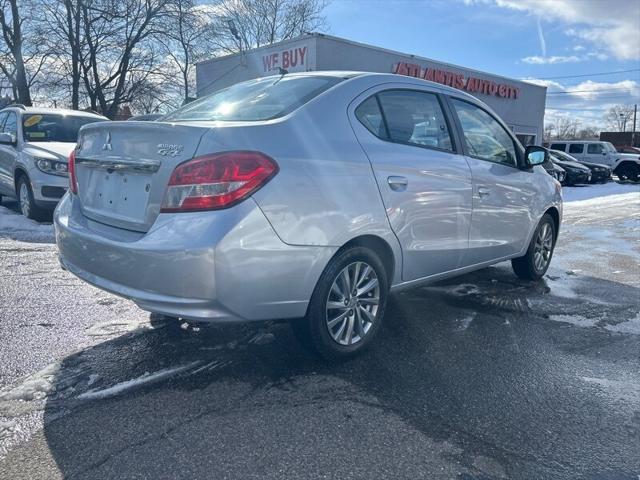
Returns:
<point x="577" y="141"/>
<point x="382" y="78"/>
<point x="57" y="111"/>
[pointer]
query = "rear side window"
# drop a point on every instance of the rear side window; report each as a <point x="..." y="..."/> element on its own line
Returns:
<point x="415" y="118"/>
<point x="576" y="148"/>
<point x="484" y="136"/>
<point x="369" y="114"/>
<point x="255" y="100"/>
<point x="595" y="148"/>
<point x="559" y="146"/>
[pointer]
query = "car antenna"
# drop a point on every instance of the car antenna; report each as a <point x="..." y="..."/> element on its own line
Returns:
<point x="282" y="73"/>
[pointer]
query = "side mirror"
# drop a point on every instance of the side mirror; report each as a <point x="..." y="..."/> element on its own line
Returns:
<point x="535" y="155"/>
<point x="7" y="139"/>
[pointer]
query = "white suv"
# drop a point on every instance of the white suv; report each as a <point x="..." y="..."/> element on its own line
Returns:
<point x="35" y="144"/>
<point x="625" y="165"/>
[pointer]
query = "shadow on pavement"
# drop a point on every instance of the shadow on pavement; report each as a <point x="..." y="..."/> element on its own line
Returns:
<point x="471" y="379"/>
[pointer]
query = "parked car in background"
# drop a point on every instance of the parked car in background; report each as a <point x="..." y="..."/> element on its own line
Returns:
<point x="555" y="171"/>
<point x="599" y="173"/>
<point x="35" y="144"/>
<point x="225" y="212"/>
<point x="148" y="117"/>
<point x="626" y="166"/>
<point x="628" y="149"/>
<point x="576" y="173"/>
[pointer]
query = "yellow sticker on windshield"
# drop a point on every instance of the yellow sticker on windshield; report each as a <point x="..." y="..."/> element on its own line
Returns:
<point x="32" y="120"/>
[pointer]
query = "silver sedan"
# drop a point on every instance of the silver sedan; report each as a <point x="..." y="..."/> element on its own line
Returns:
<point x="307" y="197"/>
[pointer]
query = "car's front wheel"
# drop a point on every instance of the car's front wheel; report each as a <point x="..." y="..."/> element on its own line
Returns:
<point x="27" y="204"/>
<point x="347" y="305"/>
<point x="534" y="264"/>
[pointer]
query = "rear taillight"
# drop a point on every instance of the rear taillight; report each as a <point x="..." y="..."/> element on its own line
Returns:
<point x="217" y="181"/>
<point x="73" y="181"/>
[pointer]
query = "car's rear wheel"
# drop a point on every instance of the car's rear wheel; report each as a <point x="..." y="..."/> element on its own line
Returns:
<point x="347" y="305"/>
<point x="534" y="264"/>
<point x="27" y="204"/>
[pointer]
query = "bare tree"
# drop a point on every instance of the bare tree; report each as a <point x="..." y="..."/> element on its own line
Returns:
<point x="188" y="38"/>
<point x="618" y="117"/>
<point x="118" y="36"/>
<point x="22" y="56"/>
<point x="549" y="129"/>
<point x="566" y="128"/>
<point x="588" y="133"/>
<point x="262" y="22"/>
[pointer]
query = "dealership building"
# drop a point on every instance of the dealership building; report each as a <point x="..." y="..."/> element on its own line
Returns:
<point x="520" y="104"/>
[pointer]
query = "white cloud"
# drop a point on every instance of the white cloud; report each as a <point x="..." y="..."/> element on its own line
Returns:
<point x="578" y="48"/>
<point x="587" y="101"/>
<point x="536" y="60"/>
<point x="543" y="43"/>
<point x="609" y="25"/>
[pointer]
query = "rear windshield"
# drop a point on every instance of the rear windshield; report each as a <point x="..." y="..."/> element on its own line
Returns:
<point x="255" y="100"/>
<point x="54" y="127"/>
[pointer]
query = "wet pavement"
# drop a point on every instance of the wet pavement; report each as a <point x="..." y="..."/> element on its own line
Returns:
<point x="480" y="377"/>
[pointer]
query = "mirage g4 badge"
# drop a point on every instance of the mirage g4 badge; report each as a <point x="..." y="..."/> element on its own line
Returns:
<point x="169" y="149"/>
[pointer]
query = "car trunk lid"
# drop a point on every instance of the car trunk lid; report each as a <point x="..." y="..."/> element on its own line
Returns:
<point x="123" y="168"/>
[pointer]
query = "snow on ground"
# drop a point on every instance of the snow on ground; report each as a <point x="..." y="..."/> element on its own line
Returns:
<point x="145" y="379"/>
<point x="18" y="227"/>
<point x="596" y="192"/>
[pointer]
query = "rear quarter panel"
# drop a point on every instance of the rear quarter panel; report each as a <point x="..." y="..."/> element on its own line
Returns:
<point x="325" y="193"/>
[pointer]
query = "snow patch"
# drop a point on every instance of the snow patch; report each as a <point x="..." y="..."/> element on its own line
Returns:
<point x="16" y="226"/>
<point x="35" y="387"/>
<point x="595" y="193"/>
<point x="578" y="320"/>
<point x="630" y="326"/>
<point x="626" y="390"/>
<point x="463" y="323"/>
<point x="118" y="327"/>
<point x="145" y="379"/>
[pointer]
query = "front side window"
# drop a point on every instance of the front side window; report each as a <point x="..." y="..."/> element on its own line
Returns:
<point x="255" y="100"/>
<point x="485" y="138"/>
<point x="415" y="118"/>
<point x="48" y="127"/>
<point x="558" y="146"/>
<point x="595" y="148"/>
<point x="11" y="124"/>
<point x="576" y="148"/>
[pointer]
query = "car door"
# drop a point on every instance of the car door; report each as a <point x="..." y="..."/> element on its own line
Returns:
<point x="502" y="192"/>
<point x="597" y="153"/>
<point x="424" y="182"/>
<point x="8" y="124"/>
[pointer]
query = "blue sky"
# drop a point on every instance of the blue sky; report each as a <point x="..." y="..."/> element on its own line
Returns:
<point x="528" y="39"/>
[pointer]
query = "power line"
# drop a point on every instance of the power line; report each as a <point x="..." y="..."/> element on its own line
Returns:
<point x="590" y="74"/>
<point x="570" y="92"/>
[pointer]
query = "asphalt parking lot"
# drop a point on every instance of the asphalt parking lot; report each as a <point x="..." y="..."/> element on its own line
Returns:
<point x="481" y="377"/>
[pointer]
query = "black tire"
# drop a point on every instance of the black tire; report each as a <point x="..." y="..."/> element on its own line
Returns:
<point x="313" y="331"/>
<point x="628" y="172"/>
<point x="26" y="202"/>
<point x="527" y="267"/>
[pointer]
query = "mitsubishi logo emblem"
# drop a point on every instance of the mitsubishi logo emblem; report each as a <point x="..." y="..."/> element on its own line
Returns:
<point x="107" y="144"/>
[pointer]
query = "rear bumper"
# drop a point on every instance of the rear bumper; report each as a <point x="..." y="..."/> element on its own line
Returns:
<point x="221" y="266"/>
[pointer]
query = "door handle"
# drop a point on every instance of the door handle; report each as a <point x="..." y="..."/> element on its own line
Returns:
<point x="397" y="183"/>
<point x="483" y="192"/>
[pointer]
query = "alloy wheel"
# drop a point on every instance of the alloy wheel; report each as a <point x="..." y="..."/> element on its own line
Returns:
<point x="352" y="303"/>
<point x="25" y="201"/>
<point x="543" y="247"/>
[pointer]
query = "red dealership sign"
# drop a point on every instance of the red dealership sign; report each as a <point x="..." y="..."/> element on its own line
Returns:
<point x="457" y="80"/>
<point x="287" y="59"/>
